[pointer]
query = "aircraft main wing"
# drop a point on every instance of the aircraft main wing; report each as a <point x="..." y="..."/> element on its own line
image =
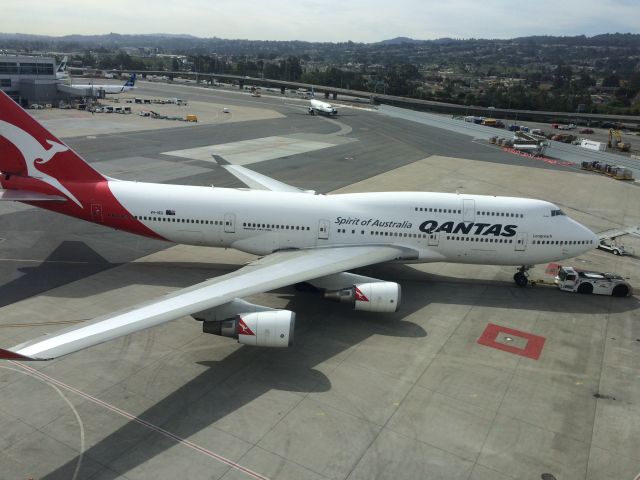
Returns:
<point x="267" y="273"/>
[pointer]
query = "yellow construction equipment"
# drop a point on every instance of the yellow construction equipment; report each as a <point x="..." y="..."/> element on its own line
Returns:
<point x="615" y="141"/>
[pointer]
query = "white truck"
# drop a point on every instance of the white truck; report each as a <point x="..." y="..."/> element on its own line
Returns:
<point x="571" y="280"/>
<point x="591" y="145"/>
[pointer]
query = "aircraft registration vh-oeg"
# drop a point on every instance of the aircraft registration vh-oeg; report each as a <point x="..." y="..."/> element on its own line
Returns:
<point x="299" y="235"/>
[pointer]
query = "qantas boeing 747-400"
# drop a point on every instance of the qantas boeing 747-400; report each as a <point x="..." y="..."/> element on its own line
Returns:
<point x="300" y="236"/>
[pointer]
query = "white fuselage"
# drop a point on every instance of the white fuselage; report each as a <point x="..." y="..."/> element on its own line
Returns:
<point x="435" y="226"/>
<point x="107" y="88"/>
<point x="322" y="107"/>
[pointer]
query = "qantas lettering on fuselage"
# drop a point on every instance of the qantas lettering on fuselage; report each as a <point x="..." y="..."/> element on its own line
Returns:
<point x="466" y="228"/>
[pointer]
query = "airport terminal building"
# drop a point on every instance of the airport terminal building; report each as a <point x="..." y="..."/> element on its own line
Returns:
<point x="30" y="80"/>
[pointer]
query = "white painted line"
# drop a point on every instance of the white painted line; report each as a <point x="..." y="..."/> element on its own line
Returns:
<point x="73" y="409"/>
<point x="252" y="151"/>
<point x="42" y="261"/>
<point x="142" y="422"/>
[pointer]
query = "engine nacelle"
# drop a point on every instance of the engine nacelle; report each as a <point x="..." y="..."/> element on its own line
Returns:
<point x="272" y="328"/>
<point x="369" y="297"/>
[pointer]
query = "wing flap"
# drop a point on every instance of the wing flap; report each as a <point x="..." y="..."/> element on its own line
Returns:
<point x="273" y="271"/>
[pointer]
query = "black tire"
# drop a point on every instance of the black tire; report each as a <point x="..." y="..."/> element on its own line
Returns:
<point x="585" y="288"/>
<point x="616" y="252"/>
<point x="620" y="291"/>
<point x="520" y="279"/>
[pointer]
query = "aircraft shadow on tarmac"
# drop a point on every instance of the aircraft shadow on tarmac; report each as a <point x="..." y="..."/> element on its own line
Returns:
<point x="323" y="331"/>
<point x="240" y="378"/>
<point x="496" y="293"/>
<point x="74" y="260"/>
<point x="69" y="261"/>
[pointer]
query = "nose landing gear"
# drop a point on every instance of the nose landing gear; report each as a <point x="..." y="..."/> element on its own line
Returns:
<point x="521" y="277"/>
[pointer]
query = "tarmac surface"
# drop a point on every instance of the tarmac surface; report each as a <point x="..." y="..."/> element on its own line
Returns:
<point x="358" y="396"/>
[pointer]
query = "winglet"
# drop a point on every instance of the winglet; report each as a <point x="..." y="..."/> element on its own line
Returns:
<point x="220" y="160"/>
<point x="9" y="355"/>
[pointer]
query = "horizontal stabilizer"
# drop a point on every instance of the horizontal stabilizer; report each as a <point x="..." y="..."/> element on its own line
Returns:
<point x="26" y="196"/>
<point x="256" y="180"/>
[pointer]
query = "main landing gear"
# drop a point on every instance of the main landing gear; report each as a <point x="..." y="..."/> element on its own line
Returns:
<point x="521" y="277"/>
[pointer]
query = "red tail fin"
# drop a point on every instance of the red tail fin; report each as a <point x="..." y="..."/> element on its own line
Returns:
<point x="53" y="176"/>
<point x="27" y="149"/>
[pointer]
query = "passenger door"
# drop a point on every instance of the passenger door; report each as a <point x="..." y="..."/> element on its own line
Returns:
<point x="96" y="212"/>
<point x="468" y="210"/>
<point x="323" y="229"/>
<point x="433" y="239"/>
<point x="521" y="241"/>
<point x="229" y="223"/>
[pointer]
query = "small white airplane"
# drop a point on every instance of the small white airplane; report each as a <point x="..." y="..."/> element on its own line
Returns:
<point x="300" y="236"/>
<point x="324" y="108"/>
<point x="61" y="72"/>
<point x="109" y="88"/>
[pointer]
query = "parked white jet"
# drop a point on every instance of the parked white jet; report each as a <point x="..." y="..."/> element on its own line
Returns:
<point x="108" y="88"/>
<point x="301" y="237"/>
<point x="316" y="106"/>
<point x="61" y="72"/>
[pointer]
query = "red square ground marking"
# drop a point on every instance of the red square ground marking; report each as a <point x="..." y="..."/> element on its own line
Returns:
<point x="533" y="347"/>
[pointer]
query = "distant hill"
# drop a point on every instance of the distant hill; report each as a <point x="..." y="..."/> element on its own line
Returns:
<point x="399" y="41"/>
<point x="185" y="41"/>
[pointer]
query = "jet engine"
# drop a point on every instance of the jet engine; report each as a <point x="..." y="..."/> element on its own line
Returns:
<point x="273" y="328"/>
<point x="369" y="297"/>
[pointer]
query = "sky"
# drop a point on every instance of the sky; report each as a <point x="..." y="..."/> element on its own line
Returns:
<point x="324" y="20"/>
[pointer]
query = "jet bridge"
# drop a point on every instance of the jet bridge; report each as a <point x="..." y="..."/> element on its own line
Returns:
<point x="77" y="91"/>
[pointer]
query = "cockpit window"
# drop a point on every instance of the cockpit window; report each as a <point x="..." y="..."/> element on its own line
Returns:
<point x="555" y="213"/>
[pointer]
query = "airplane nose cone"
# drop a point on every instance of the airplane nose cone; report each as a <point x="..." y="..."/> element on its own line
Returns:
<point x="591" y="238"/>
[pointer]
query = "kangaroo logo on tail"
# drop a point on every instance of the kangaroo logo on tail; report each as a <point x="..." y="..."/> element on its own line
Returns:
<point x="35" y="154"/>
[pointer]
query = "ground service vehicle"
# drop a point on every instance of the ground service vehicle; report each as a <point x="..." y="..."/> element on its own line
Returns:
<point x="571" y="280"/>
<point x="612" y="248"/>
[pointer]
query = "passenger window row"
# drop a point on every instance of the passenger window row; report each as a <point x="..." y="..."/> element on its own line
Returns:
<point x="274" y="227"/>
<point x="398" y="234"/>
<point x="563" y="242"/>
<point x="480" y="239"/>
<point x="437" y="210"/>
<point x="179" y="220"/>
<point x="501" y="214"/>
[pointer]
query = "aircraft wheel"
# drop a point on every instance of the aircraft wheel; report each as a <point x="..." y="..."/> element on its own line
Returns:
<point x="520" y="279"/>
